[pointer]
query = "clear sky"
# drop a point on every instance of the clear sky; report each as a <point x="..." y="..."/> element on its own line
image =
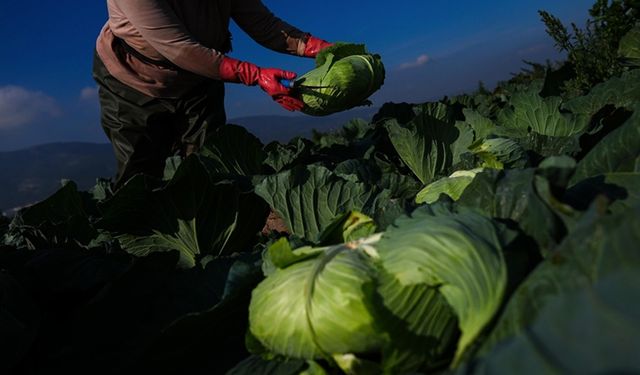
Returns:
<point x="430" y="48"/>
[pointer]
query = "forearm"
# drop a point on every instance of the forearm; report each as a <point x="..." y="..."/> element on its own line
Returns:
<point x="264" y="27"/>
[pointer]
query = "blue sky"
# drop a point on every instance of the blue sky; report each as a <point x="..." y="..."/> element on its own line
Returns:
<point x="430" y="48"/>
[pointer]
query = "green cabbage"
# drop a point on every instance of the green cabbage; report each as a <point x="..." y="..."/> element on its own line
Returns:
<point x="348" y="75"/>
<point x="413" y="294"/>
<point x="316" y="307"/>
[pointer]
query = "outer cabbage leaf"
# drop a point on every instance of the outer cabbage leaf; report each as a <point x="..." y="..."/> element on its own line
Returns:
<point x="352" y="131"/>
<point x="310" y="198"/>
<point x="629" y="48"/>
<point x="61" y="220"/>
<point x="428" y="145"/>
<point x="398" y="185"/>
<point x="208" y="336"/>
<point x="623" y="91"/>
<point x="622" y="189"/>
<point x="347" y="75"/>
<point x="588" y="289"/>
<point x="422" y="327"/>
<point x="545" y="146"/>
<point x="459" y="255"/>
<point x="280" y="254"/>
<point x="282" y="156"/>
<point x="515" y="194"/>
<point x="194" y="214"/>
<point x="367" y="171"/>
<point x="448" y="114"/>
<point x="359" y="170"/>
<point x="401" y="112"/>
<point x="349" y="227"/>
<point x="592" y="330"/>
<point x="500" y="153"/>
<point x="453" y="186"/>
<point x="231" y="149"/>
<point x="171" y="165"/>
<point x="438" y="110"/>
<point x="464" y="100"/>
<point x="257" y="365"/>
<point x="529" y="112"/>
<point x="616" y="152"/>
<point x="482" y="126"/>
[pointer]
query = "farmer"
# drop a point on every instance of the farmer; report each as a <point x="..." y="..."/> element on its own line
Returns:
<point x="161" y="66"/>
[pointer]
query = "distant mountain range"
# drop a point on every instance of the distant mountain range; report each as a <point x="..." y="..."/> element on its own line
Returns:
<point x="283" y="128"/>
<point x="34" y="173"/>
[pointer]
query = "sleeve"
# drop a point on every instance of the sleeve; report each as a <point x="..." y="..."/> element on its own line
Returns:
<point x="163" y="30"/>
<point x="255" y="19"/>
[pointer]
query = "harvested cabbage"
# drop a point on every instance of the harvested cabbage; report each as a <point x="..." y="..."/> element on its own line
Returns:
<point x="344" y="77"/>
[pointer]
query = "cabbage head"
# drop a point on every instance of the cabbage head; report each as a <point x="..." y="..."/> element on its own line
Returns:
<point x="347" y="74"/>
<point x="316" y="306"/>
<point x="413" y="295"/>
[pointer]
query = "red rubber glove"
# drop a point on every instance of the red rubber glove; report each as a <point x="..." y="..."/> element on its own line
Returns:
<point x="315" y="45"/>
<point x="236" y="71"/>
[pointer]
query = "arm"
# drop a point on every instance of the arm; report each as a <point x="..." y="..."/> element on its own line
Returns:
<point x="161" y="28"/>
<point x="271" y="32"/>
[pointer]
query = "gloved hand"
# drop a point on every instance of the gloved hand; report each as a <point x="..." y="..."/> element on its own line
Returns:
<point x="314" y="45"/>
<point x="236" y="71"/>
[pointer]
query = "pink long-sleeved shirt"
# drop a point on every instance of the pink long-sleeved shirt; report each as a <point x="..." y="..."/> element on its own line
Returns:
<point x="190" y="35"/>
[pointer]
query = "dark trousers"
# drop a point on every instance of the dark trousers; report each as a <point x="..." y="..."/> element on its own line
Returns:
<point x="145" y="131"/>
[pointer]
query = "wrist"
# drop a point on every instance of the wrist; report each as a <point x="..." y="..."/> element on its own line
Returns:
<point x="236" y="71"/>
<point x="314" y="45"/>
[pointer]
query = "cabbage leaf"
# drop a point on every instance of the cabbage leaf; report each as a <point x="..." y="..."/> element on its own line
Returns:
<point x="459" y="255"/>
<point x="588" y="289"/>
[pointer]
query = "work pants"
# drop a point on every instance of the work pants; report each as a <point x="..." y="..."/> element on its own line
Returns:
<point x="145" y="131"/>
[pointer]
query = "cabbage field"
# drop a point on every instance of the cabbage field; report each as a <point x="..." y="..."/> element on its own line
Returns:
<point x="496" y="232"/>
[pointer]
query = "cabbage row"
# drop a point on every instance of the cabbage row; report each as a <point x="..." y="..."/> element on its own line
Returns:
<point x="495" y="232"/>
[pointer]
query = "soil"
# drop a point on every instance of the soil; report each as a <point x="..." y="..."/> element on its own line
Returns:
<point x="274" y="223"/>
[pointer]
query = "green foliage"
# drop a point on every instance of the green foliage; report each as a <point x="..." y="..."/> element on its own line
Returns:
<point x="500" y="153"/>
<point x="593" y="51"/>
<point x="528" y="112"/>
<point x="622" y="91"/>
<point x="233" y="150"/>
<point x="425" y="249"/>
<point x="452" y="186"/>
<point x="480" y="233"/>
<point x="590" y="283"/>
<point x="59" y="221"/>
<point x="310" y="198"/>
<point x="393" y="294"/>
<point x="629" y="49"/>
<point x="617" y="152"/>
<point x="194" y="214"/>
<point x="521" y="196"/>
<point x="431" y="143"/>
